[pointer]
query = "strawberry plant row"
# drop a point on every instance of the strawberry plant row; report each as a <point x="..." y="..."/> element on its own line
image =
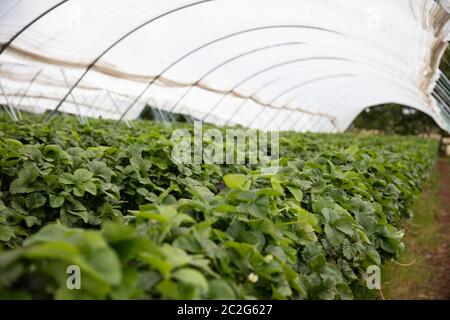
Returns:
<point x="112" y="202"/>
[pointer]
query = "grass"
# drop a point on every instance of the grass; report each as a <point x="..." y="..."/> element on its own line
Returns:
<point x="412" y="276"/>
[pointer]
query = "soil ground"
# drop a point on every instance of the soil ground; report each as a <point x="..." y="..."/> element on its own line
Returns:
<point x="441" y="257"/>
<point x="423" y="272"/>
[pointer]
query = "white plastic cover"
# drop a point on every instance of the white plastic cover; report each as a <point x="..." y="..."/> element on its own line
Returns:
<point x="277" y="65"/>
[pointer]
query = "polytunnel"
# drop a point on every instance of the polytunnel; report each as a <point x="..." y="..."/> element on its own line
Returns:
<point x="278" y="65"/>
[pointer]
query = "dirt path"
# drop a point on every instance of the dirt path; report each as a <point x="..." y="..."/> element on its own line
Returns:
<point x="423" y="271"/>
<point x="441" y="258"/>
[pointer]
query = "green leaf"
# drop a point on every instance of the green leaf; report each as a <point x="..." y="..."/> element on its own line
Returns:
<point x="47" y="233"/>
<point x="333" y="236"/>
<point x="6" y="233"/>
<point x="99" y="168"/>
<point x="156" y="263"/>
<point x="31" y="221"/>
<point x="2" y="205"/>
<point x="353" y="149"/>
<point x="56" y="201"/>
<point x="82" y="175"/>
<point x="347" y="249"/>
<point x="20" y="186"/>
<point x="276" y="185"/>
<point x="107" y="264"/>
<point x="175" y="256"/>
<point x="345" y="226"/>
<point x="83" y="214"/>
<point x="90" y="187"/>
<point x="255" y="238"/>
<point x="67" y="178"/>
<point x="35" y="200"/>
<point x="23" y="184"/>
<point x="374" y="256"/>
<point x="236" y="181"/>
<point x="191" y="277"/>
<point x="53" y="250"/>
<point x="160" y="163"/>
<point x="220" y="290"/>
<point x="296" y="192"/>
<point x="29" y="173"/>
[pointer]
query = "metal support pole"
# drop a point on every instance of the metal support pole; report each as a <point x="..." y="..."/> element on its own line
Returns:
<point x="287" y="118"/>
<point x="229" y="36"/>
<point x="325" y="124"/>
<point x="104" y="52"/>
<point x="272" y="67"/>
<point x="306" y="119"/>
<point x="273" y="118"/>
<point x="12" y="113"/>
<point x="228" y="61"/>
<point x="287" y="91"/>
<point x="7" y="44"/>
<point x="241" y="106"/>
<point x="294" y="123"/>
<point x="29" y="86"/>
<point x="116" y="107"/>
<point x="314" y="124"/>
<point x="16" y="106"/>
<point x="80" y="118"/>
<point x="95" y="111"/>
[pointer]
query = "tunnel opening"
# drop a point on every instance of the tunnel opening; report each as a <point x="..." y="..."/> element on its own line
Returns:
<point x="395" y="119"/>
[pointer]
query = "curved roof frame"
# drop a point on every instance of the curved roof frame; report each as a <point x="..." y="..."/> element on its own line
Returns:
<point x="150" y="21"/>
<point x="228" y="61"/>
<point x="28" y="25"/>
<point x="92" y="64"/>
<point x="212" y="42"/>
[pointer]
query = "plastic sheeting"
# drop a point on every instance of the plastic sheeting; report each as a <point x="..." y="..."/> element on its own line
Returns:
<point x="306" y="65"/>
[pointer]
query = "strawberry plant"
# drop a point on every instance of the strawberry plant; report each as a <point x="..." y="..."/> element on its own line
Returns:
<point x="111" y="201"/>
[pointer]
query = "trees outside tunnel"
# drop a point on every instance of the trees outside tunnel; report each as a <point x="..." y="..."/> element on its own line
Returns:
<point x="395" y="119"/>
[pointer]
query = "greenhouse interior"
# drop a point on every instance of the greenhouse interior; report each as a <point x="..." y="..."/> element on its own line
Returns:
<point x="224" y="150"/>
